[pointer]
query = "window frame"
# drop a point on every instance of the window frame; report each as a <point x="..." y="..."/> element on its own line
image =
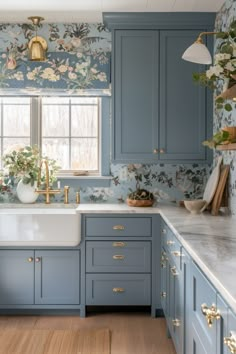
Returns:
<point x="104" y="136"/>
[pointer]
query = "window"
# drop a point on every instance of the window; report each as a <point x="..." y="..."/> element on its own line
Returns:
<point x="15" y="122"/>
<point x="66" y="128"/>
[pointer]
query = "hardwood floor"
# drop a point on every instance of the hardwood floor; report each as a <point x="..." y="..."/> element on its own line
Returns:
<point x="132" y="333"/>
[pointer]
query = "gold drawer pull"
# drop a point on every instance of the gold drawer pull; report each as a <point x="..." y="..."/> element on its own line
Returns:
<point x="118" y="256"/>
<point x="176" y="322"/>
<point x="211" y="313"/>
<point x="30" y="259"/>
<point x="231" y="342"/>
<point x="118" y="290"/>
<point x="118" y="227"/>
<point x="169" y="243"/>
<point x="174" y="271"/>
<point x="176" y="253"/>
<point x="119" y="244"/>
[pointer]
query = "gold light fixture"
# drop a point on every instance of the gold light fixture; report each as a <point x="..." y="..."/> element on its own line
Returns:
<point x="37" y="45"/>
<point x="198" y="52"/>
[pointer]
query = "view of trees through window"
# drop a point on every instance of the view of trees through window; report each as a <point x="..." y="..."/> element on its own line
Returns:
<point x="66" y="128"/>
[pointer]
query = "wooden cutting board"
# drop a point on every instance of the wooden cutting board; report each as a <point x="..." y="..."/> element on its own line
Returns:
<point x="216" y="203"/>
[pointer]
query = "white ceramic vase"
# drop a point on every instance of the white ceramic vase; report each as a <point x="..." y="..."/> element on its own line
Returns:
<point x="26" y="192"/>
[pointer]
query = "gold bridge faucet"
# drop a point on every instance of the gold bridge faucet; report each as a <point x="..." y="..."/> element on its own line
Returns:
<point x="47" y="191"/>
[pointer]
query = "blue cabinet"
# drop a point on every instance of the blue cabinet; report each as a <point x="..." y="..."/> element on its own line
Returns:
<point x="202" y="314"/>
<point x="29" y="278"/>
<point x="57" y="277"/>
<point x="183" y="113"/>
<point x="173" y="279"/>
<point x="159" y="114"/>
<point x="16" y="277"/>
<point x="122" y="260"/>
<point x="135" y="95"/>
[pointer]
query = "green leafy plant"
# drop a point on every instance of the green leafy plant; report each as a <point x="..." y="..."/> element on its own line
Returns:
<point x="220" y="138"/>
<point x="22" y="162"/>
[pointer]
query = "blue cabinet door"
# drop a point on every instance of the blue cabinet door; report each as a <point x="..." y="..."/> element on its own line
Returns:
<point x="222" y="326"/>
<point x="135" y="95"/>
<point x="57" y="277"/>
<point x="183" y="104"/>
<point x="16" y="277"/>
<point x="201" y="337"/>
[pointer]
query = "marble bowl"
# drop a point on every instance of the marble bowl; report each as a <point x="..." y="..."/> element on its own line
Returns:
<point x="195" y="206"/>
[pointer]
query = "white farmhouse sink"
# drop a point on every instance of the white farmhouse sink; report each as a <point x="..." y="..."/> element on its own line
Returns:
<point x="39" y="225"/>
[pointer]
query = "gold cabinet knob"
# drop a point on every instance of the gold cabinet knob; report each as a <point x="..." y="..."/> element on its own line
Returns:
<point x="155" y="151"/>
<point x="118" y="290"/>
<point x="176" y="253"/>
<point x="169" y="242"/>
<point x="210" y="313"/>
<point x="163" y="231"/>
<point x="174" y="271"/>
<point x="118" y="257"/>
<point x="162" y="151"/>
<point x="30" y="259"/>
<point x="163" y="294"/>
<point x="118" y="244"/>
<point x="118" y="227"/>
<point x="231" y="342"/>
<point x="176" y="322"/>
<point x="37" y="259"/>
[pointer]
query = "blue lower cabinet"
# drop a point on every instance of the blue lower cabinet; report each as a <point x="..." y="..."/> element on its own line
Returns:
<point x="164" y="270"/>
<point x="116" y="226"/>
<point x="222" y="326"/>
<point x="201" y="328"/>
<point x="57" y="277"/>
<point x="230" y="337"/>
<point x="118" y="289"/>
<point x="16" y="277"/>
<point x="118" y="256"/>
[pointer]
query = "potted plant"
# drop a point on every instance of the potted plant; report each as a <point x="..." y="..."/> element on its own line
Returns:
<point x="22" y="163"/>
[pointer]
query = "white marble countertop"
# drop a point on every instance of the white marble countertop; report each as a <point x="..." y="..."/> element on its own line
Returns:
<point x="210" y="240"/>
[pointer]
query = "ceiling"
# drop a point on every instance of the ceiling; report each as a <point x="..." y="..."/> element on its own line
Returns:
<point x="91" y="10"/>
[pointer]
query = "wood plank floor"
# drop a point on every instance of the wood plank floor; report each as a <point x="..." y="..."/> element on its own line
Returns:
<point x="132" y="333"/>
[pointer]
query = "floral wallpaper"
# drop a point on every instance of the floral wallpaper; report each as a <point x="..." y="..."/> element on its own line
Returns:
<point x="169" y="183"/>
<point x="78" y="57"/>
<point x="221" y="117"/>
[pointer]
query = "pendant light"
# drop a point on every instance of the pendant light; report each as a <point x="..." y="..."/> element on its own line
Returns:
<point x="37" y="45"/>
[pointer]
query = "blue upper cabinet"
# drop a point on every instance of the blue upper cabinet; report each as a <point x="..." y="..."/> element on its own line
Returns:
<point x="159" y="114"/>
<point x="135" y="95"/>
<point x="183" y="115"/>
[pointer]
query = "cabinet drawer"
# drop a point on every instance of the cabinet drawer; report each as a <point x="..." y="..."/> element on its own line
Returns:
<point x="170" y="244"/>
<point x="118" y="289"/>
<point x="118" y="226"/>
<point x="118" y="256"/>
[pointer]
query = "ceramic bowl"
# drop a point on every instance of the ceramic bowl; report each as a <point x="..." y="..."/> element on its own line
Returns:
<point x="195" y="206"/>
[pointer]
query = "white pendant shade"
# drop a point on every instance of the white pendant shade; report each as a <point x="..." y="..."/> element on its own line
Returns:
<point x="197" y="53"/>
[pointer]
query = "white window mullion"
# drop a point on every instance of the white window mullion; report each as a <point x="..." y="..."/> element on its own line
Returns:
<point x="36" y="121"/>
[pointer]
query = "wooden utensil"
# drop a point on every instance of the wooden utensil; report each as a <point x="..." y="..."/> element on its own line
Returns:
<point x="216" y="203"/>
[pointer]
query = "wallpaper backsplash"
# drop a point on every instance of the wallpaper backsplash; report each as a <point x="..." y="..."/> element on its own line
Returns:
<point x="222" y="118"/>
<point x="79" y="58"/>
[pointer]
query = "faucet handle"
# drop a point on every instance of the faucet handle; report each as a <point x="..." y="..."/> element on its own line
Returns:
<point x="77" y="197"/>
<point x="66" y="194"/>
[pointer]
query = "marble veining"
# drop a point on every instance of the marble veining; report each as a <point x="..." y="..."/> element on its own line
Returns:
<point x="209" y="240"/>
